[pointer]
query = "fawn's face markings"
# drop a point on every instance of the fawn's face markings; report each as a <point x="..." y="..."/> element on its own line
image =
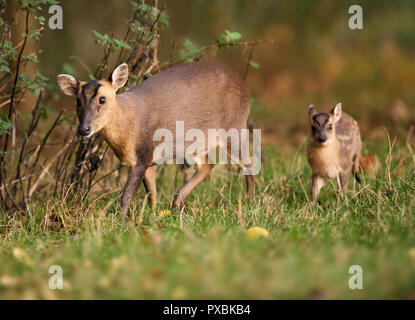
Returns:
<point x="322" y="128"/>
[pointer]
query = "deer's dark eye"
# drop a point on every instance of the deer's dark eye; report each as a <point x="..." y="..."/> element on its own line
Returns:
<point x="101" y="100"/>
<point x="313" y="129"/>
<point x="330" y="127"/>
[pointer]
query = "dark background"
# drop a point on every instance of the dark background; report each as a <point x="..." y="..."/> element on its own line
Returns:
<point x="314" y="57"/>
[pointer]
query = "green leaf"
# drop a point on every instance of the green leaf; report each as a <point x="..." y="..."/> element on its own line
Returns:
<point x="137" y="27"/>
<point x="25" y="78"/>
<point x="44" y="111"/>
<point x="228" y="38"/>
<point x="121" y="44"/>
<point x="4" y="68"/>
<point x="233" y="36"/>
<point x="164" y="20"/>
<point x="106" y="37"/>
<point x="254" y="64"/>
<point x="146" y="10"/>
<point x="255" y="105"/>
<point x="97" y="34"/>
<point x="189" y="50"/>
<point x="31" y="59"/>
<point x="40" y="19"/>
<point x="67" y="68"/>
<point x="40" y="77"/>
<point x="5" y="124"/>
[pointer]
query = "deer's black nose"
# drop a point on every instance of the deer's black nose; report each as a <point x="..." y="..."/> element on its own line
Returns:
<point x="84" y="130"/>
<point x="322" y="139"/>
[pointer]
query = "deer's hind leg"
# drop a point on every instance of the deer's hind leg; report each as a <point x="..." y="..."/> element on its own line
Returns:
<point x="250" y="185"/>
<point x="150" y="185"/>
<point x="355" y="168"/>
<point x="203" y="170"/>
<point x="250" y="180"/>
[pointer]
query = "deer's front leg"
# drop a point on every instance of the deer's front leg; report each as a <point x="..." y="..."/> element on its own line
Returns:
<point x="135" y="176"/>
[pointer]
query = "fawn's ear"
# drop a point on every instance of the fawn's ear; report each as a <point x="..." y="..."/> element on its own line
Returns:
<point x="68" y="84"/>
<point x="337" y="112"/>
<point x="120" y="76"/>
<point x="311" y="112"/>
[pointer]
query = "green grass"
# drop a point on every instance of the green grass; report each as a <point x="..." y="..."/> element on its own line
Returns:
<point x="204" y="252"/>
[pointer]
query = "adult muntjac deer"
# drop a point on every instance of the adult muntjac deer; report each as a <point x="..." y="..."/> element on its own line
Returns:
<point x="204" y="95"/>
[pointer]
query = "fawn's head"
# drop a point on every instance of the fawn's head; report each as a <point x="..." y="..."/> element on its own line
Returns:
<point x="95" y="100"/>
<point x="323" y="125"/>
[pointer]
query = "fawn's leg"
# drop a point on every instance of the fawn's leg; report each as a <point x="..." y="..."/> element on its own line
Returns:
<point x="344" y="178"/>
<point x="317" y="184"/>
<point x="355" y="168"/>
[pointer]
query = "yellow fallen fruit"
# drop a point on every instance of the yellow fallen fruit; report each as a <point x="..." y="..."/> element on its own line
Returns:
<point x="164" y="213"/>
<point x="179" y="294"/>
<point x="8" y="281"/>
<point x="257" y="232"/>
<point x="118" y="262"/>
<point x="21" y="255"/>
<point x="411" y="253"/>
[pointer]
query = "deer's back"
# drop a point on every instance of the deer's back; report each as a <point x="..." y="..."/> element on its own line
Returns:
<point x="205" y="95"/>
<point x="348" y="134"/>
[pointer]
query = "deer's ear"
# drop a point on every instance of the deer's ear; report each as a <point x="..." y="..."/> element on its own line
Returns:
<point x="337" y="112"/>
<point x="120" y="76"/>
<point x="68" y="84"/>
<point x="311" y="112"/>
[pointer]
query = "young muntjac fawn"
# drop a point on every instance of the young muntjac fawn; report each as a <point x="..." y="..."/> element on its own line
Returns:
<point x="204" y="95"/>
<point x="333" y="147"/>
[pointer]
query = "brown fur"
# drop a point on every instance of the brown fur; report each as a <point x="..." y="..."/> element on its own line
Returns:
<point x="204" y="95"/>
<point x="333" y="153"/>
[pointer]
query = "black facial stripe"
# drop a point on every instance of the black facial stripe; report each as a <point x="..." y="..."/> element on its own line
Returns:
<point x="95" y="93"/>
<point x="321" y="119"/>
<point x="83" y="97"/>
<point x="90" y="89"/>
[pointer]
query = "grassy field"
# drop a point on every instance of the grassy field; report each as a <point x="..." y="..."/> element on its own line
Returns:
<point x="204" y="251"/>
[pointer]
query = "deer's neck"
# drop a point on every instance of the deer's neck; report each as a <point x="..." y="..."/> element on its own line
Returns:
<point x="119" y="134"/>
<point x="324" y="160"/>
